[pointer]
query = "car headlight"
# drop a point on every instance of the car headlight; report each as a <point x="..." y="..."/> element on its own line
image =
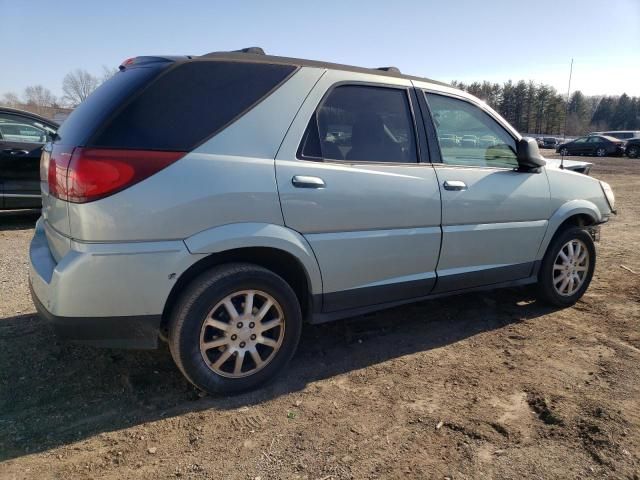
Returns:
<point x="608" y="193"/>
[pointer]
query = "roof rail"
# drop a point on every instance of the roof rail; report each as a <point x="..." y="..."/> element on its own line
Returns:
<point x="252" y="50"/>
<point x="389" y="69"/>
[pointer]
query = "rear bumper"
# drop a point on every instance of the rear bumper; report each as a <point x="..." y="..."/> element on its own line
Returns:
<point x="139" y="332"/>
<point x="110" y="295"/>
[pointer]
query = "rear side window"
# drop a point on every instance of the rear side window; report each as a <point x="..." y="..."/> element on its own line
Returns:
<point x="95" y="110"/>
<point x="190" y="103"/>
<point x="362" y="123"/>
<point x="17" y="128"/>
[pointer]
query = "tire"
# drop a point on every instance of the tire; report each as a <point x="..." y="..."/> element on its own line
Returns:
<point x="601" y="152"/>
<point x="633" y="151"/>
<point x="551" y="280"/>
<point x="198" y="348"/>
<point x="564" y="152"/>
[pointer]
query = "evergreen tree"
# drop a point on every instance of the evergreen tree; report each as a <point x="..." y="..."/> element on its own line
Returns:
<point x="540" y="109"/>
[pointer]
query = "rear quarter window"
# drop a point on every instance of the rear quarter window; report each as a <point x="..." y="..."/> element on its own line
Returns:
<point x="189" y="103"/>
<point x="95" y="110"/>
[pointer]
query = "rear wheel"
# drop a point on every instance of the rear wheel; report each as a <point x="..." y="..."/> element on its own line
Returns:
<point x="633" y="151"/>
<point x="567" y="267"/>
<point x="601" y="152"/>
<point x="234" y="328"/>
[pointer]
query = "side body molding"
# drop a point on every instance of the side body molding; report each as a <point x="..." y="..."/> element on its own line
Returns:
<point x="566" y="210"/>
<point x="245" y="235"/>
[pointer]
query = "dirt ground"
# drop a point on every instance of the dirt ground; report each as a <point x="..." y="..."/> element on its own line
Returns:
<point x="490" y="385"/>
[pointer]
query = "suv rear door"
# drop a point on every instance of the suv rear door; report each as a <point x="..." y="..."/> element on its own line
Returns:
<point x="21" y="141"/>
<point x="350" y="181"/>
<point x="493" y="216"/>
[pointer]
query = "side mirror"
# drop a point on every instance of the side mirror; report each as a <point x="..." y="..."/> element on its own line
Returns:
<point x="529" y="157"/>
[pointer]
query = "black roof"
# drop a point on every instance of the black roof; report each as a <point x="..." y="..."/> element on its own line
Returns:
<point x="30" y="115"/>
<point x="253" y="54"/>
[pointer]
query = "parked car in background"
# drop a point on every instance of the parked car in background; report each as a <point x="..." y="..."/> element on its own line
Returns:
<point x="549" y="142"/>
<point x="487" y="141"/>
<point x="598" y="145"/>
<point x="469" y="141"/>
<point x="272" y="224"/>
<point x="448" y="139"/>
<point x="22" y="135"/>
<point x="632" y="147"/>
<point x="619" y="134"/>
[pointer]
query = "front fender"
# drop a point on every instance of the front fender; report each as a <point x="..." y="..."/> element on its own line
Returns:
<point x="568" y="210"/>
<point x="265" y="235"/>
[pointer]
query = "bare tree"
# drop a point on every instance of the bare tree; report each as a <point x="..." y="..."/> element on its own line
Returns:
<point x="39" y="96"/>
<point x="10" y="99"/>
<point x="107" y="73"/>
<point x="78" y="85"/>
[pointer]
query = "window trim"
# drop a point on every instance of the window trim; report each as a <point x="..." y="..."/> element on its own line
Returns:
<point x="416" y="137"/>
<point x="433" y="137"/>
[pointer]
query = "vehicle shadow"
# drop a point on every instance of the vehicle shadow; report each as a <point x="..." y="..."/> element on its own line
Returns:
<point x="18" y="219"/>
<point x="52" y="393"/>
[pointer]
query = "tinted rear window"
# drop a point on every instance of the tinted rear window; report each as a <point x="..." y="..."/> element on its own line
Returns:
<point x="190" y="103"/>
<point x="92" y="113"/>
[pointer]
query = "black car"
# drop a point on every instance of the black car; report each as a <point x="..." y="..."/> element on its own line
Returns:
<point x="22" y="135"/>
<point x="632" y="148"/>
<point x="549" y="142"/>
<point x="599" y="145"/>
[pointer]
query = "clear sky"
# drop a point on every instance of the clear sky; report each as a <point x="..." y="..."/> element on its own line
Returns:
<point x="446" y="40"/>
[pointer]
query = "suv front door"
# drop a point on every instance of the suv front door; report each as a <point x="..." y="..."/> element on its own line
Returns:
<point x="493" y="215"/>
<point x="350" y="181"/>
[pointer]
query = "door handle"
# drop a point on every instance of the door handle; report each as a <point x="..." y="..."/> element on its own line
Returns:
<point x="303" y="181"/>
<point x="455" y="185"/>
<point x="16" y="151"/>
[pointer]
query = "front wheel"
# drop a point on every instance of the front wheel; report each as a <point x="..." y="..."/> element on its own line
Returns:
<point x="234" y="328"/>
<point x="564" y="152"/>
<point x="567" y="267"/>
<point x="633" y="151"/>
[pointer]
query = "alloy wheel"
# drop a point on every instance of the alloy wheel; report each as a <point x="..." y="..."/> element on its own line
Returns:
<point x="601" y="152"/>
<point x="242" y="333"/>
<point x="633" y="152"/>
<point x="564" y="152"/>
<point x="570" y="267"/>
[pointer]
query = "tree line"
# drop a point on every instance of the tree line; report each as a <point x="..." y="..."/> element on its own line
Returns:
<point x="77" y="85"/>
<point x="540" y="109"/>
<point x="529" y="107"/>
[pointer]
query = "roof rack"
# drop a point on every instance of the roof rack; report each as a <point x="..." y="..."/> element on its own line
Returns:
<point x="252" y="50"/>
<point x="389" y="69"/>
<point x="257" y="55"/>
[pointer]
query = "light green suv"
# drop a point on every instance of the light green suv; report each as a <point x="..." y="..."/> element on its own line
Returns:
<point x="220" y="202"/>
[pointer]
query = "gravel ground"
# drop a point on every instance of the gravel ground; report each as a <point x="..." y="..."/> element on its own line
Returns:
<point x="490" y="385"/>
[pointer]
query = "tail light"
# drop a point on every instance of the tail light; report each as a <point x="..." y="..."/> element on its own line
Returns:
<point x="82" y="175"/>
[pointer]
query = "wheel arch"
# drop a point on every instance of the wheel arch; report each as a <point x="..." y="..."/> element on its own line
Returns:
<point x="576" y="213"/>
<point x="274" y="247"/>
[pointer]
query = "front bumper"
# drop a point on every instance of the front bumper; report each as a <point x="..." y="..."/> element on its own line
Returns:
<point x="110" y="295"/>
